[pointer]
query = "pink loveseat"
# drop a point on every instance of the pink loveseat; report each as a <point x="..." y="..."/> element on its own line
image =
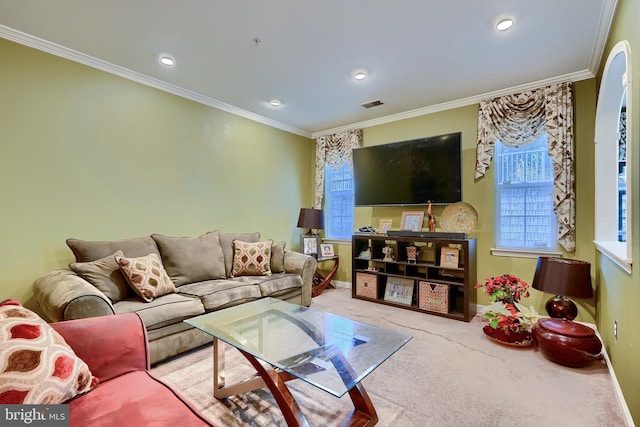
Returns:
<point x="116" y="350"/>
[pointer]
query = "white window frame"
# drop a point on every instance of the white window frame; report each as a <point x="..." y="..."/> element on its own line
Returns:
<point x="518" y="252"/>
<point x="327" y="208"/>
<point x="615" y="84"/>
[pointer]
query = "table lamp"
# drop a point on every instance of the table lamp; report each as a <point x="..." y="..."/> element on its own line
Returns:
<point x="564" y="278"/>
<point x="310" y="218"/>
<point x="559" y="338"/>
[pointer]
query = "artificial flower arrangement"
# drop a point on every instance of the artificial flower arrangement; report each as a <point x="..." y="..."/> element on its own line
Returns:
<point x="509" y="321"/>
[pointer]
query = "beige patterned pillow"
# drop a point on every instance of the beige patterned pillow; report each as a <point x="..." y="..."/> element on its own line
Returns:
<point x="147" y="276"/>
<point x="251" y="259"/>
<point x="38" y="366"/>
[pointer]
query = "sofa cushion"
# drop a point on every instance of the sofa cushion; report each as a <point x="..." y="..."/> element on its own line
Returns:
<point x="226" y="241"/>
<point x="223" y="293"/>
<point x="105" y="275"/>
<point x="165" y="310"/>
<point x="134" y="399"/>
<point x="87" y="250"/>
<point x="277" y="257"/>
<point x="146" y="275"/>
<point x="251" y="259"/>
<point x="278" y="283"/>
<point x="38" y="366"/>
<point x="192" y="259"/>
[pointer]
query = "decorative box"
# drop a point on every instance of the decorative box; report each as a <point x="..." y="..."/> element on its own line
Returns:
<point x="433" y="297"/>
<point x="367" y="285"/>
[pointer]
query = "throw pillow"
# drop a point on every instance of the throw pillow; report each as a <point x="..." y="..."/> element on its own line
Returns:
<point x="277" y="257"/>
<point x="38" y="366"/>
<point x="226" y="241"/>
<point x="87" y="250"/>
<point x="147" y="276"/>
<point x="192" y="259"/>
<point x="251" y="259"/>
<point x="105" y="275"/>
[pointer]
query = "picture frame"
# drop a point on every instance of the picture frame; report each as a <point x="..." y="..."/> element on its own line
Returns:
<point x="412" y="220"/>
<point x="310" y="244"/>
<point x="449" y="257"/>
<point x="365" y="253"/>
<point x="326" y="249"/>
<point x="385" y="225"/>
<point x="399" y="290"/>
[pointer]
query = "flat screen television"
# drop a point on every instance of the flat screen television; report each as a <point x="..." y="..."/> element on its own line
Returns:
<point x="413" y="172"/>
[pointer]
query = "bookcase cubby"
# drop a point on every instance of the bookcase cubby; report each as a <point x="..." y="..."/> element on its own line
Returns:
<point x="431" y="275"/>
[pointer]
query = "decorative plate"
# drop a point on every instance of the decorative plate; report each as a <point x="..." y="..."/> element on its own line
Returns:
<point x="459" y="217"/>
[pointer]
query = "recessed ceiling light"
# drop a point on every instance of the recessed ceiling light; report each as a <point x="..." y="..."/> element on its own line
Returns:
<point x="166" y="60"/>
<point x="504" y="24"/>
<point x="359" y="74"/>
<point x="275" y="102"/>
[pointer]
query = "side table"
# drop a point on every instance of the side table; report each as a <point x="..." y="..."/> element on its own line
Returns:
<point x="320" y="280"/>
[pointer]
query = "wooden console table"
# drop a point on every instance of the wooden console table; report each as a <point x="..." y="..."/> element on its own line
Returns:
<point x="321" y="281"/>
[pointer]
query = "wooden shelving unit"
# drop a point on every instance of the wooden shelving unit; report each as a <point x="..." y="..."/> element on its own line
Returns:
<point x="374" y="277"/>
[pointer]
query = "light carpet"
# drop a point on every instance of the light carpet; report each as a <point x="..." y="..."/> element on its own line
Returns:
<point x="449" y="374"/>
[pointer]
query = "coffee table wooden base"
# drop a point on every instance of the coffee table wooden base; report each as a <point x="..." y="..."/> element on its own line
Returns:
<point x="364" y="413"/>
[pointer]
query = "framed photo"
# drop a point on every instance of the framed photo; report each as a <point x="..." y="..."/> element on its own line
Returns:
<point x="385" y="225"/>
<point x="310" y="245"/>
<point x="449" y="257"/>
<point x="365" y="253"/>
<point x="412" y="221"/>
<point x="326" y="249"/>
<point x="399" y="290"/>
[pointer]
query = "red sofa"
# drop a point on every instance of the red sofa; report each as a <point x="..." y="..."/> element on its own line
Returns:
<point x="116" y="350"/>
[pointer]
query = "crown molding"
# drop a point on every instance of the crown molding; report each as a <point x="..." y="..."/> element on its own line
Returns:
<point x="607" y="14"/>
<point x="73" y="55"/>
<point x="573" y="77"/>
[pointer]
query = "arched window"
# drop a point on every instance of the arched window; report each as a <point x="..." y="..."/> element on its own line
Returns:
<point x="613" y="154"/>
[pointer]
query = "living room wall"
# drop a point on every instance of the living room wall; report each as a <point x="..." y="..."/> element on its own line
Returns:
<point x="619" y="292"/>
<point x="479" y="193"/>
<point x="94" y="156"/>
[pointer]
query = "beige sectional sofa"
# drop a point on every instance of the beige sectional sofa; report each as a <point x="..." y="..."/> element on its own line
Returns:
<point x="189" y="276"/>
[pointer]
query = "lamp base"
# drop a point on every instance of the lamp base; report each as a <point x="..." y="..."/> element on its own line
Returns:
<point x="561" y="307"/>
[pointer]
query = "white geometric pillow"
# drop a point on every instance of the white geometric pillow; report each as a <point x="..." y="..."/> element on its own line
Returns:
<point x="147" y="276"/>
<point x="251" y="259"/>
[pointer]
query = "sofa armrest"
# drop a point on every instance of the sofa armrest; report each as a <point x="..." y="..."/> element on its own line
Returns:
<point x="109" y="345"/>
<point x="305" y="266"/>
<point x="63" y="295"/>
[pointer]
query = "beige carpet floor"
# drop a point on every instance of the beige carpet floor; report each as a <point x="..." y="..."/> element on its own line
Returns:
<point x="449" y="374"/>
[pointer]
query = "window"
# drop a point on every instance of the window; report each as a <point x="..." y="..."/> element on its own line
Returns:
<point x="613" y="234"/>
<point x="524" y="216"/>
<point x="338" y="209"/>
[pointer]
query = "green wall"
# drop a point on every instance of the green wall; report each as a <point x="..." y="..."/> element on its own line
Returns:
<point x="479" y="193"/>
<point x="90" y="155"/>
<point x="619" y="292"/>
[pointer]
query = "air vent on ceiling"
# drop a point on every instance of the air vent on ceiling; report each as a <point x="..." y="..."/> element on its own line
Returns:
<point x="372" y="103"/>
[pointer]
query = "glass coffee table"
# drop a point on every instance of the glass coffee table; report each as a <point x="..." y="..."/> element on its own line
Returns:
<point x="285" y="341"/>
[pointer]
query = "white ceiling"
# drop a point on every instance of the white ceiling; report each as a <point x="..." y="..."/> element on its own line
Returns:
<point x="421" y="55"/>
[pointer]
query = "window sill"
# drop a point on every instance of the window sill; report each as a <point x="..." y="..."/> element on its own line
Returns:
<point x="336" y="241"/>
<point x="615" y="251"/>
<point x="523" y="253"/>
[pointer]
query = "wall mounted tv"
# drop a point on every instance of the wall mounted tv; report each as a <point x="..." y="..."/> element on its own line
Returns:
<point x="409" y="172"/>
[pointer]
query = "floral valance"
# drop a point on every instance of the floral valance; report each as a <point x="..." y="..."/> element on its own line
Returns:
<point x="519" y="119"/>
<point x="334" y="150"/>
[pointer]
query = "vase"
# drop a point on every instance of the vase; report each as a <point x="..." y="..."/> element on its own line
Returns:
<point x="515" y="339"/>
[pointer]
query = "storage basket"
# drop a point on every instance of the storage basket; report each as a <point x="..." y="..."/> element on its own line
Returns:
<point x="367" y="285"/>
<point x="434" y="297"/>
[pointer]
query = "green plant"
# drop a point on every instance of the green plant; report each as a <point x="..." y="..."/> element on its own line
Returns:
<point x="510" y="317"/>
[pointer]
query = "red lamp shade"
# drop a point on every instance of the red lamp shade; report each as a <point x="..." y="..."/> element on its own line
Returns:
<point x="310" y="218"/>
<point x="564" y="278"/>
